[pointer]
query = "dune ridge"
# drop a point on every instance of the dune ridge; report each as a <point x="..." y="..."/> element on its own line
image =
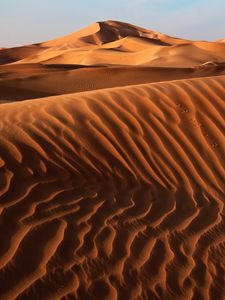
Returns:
<point x="117" y="43"/>
<point x="147" y="225"/>
<point x="121" y="53"/>
<point x="33" y="80"/>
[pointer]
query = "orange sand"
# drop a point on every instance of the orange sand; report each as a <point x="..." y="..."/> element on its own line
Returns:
<point x="112" y="179"/>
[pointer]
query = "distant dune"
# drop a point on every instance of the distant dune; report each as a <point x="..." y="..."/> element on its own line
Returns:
<point x="221" y="41"/>
<point x="112" y="178"/>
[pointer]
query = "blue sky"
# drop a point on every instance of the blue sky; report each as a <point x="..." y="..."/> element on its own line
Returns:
<point x="29" y="21"/>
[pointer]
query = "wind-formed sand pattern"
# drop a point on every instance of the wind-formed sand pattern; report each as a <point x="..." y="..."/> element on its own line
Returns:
<point x="112" y="178"/>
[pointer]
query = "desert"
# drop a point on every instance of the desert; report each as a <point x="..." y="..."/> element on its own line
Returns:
<point x="112" y="178"/>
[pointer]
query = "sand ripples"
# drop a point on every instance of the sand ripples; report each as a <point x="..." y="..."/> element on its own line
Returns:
<point x="114" y="194"/>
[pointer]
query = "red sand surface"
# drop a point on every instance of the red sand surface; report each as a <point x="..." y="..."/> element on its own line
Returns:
<point x="112" y="179"/>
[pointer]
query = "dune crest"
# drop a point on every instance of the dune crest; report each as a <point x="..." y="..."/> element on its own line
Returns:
<point x="112" y="43"/>
<point x="101" y="33"/>
<point x="112" y="156"/>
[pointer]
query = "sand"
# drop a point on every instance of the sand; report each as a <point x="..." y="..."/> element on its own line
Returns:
<point x="112" y="178"/>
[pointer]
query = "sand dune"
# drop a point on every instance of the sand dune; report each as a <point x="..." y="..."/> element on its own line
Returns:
<point x="144" y="52"/>
<point x="117" y="43"/>
<point x="19" y="82"/>
<point x="18" y="53"/>
<point x="112" y="176"/>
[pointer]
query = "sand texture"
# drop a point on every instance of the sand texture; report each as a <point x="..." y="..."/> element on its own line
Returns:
<point x="112" y="178"/>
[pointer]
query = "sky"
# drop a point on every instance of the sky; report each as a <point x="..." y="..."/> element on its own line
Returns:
<point x="30" y="21"/>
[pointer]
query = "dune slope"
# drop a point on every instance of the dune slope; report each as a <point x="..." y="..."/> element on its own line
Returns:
<point x="31" y="81"/>
<point x="114" y="194"/>
<point x="117" y="43"/>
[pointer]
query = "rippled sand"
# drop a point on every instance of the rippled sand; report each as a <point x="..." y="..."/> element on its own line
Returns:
<point x="112" y="179"/>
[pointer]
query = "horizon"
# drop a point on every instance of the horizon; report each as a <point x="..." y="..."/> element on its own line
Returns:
<point x="31" y="22"/>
